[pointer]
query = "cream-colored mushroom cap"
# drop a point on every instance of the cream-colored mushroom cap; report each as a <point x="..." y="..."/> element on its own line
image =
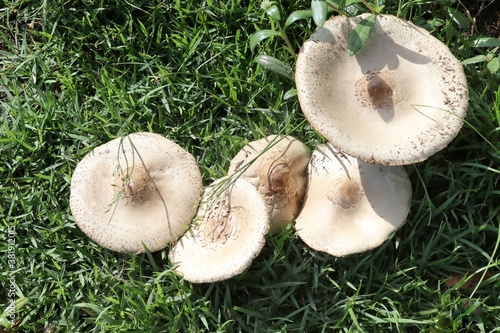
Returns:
<point x="399" y="100"/>
<point x="277" y="167"/>
<point x="135" y="190"/>
<point x="351" y="206"/>
<point x="227" y="234"/>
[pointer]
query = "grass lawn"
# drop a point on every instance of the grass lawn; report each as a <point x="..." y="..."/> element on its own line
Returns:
<point x="76" y="74"/>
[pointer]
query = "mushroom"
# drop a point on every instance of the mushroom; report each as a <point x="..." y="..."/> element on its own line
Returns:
<point x="351" y="206"/>
<point x="277" y="167"/>
<point x="227" y="234"/>
<point x="136" y="191"/>
<point x="399" y="100"/>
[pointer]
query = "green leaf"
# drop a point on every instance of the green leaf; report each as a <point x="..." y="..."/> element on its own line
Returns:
<point x="290" y="94"/>
<point x="99" y="312"/>
<point x="276" y="66"/>
<point x="319" y="10"/>
<point x="18" y="305"/>
<point x="474" y="60"/>
<point x="259" y="36"/>
<point x="494" y="65"/>
<point x="5" y="322"/>
<point x="298" y="15"/>
<point x="378" y="9"/>
<point x="459" y="18"/>
<point x="496" y="106"/>
<point x="273" y="12"/>
<point x="486" y="42"/>
<point x="360" y="34"/>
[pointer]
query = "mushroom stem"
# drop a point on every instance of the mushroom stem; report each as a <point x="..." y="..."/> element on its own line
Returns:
<point x="347" y="195"/>
<point x="376" y="90"/>
<point x="134" y="184"/>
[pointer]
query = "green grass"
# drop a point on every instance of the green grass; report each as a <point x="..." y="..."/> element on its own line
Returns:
<point x="74" y="75"/>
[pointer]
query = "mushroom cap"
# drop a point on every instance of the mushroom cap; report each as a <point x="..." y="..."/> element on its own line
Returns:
<point x="399" y="100"/>
<point x="351" y="206"/>
<point x="227" y="234"/>
<point x="277" y="167"/>
<point x="142" y="188"/>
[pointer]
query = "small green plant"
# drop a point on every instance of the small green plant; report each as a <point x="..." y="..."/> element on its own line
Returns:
<point x="491" y="58"/>
<point x="318" y="10"/>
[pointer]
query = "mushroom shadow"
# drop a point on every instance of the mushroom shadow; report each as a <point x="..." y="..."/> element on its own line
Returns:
<point x="393" y="180"/>
<point x="380" y="53"/>
<point x="387" y="51"/>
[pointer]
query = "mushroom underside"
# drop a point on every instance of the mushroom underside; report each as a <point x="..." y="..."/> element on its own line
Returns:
<point x="351" y="206"/>
<point x="399" y="100"/>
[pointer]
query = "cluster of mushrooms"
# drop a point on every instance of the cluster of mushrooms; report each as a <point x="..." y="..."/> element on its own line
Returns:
<point x="399" y="100"/>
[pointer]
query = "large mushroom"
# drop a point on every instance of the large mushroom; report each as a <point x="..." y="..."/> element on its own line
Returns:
<point x="399" y="100"/>
<point x="138" y="191"/>
<point x="351" y="206"/>
<point x="228" y="232"/>
<point x="277" y="166"/>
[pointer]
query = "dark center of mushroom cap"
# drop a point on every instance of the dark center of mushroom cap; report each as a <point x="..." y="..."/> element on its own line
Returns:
<point x="376" y="90"/>
<point x="347" y="195"/>
<point x="134" y="185"/>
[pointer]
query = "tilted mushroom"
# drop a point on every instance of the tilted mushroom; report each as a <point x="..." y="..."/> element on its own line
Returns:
<point x="351" y="206"/>
<point x="139" y="190"/>
<point x="399" y="100"/>
<point x="277" y="167"/>
<point x="227" y="234"/>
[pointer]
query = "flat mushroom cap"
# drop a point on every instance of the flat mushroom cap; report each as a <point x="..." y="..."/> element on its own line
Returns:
<point x="142" y="188"/>
<point x="399" y="100"/>
<point x="351" y="206"/>
<point x="277" y="167"/>
<point x="228" y="233"/>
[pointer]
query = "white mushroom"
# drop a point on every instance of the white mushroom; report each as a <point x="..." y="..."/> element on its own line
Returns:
<point x="351" y="206"/>
<point x="277" y="167"/>
<point x="227" y="234"/>
<point x="399" y="100"/>
<point x="139" y="190"/>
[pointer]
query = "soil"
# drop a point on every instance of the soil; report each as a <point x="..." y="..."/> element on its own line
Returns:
<point x="486" y="15"/>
